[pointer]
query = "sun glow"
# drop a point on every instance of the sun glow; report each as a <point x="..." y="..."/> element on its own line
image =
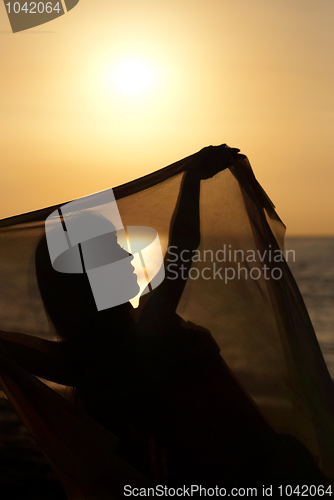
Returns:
<point x="132" y="76"/>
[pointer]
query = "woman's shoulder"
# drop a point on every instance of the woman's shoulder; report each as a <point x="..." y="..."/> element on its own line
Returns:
<point x="178" y="335"/>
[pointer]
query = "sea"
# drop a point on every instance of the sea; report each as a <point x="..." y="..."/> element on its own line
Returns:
<point x="25" y="472"/>
<point x="313" y="268"/>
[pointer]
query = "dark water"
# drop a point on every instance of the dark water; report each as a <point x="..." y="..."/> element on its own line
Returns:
<point x="313" y="269"/>
<point x="24" y="471"/>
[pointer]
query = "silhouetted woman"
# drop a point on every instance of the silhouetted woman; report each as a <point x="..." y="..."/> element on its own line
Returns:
<point x="158" y="383"/>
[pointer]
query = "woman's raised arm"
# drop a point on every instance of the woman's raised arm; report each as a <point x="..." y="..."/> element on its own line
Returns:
<point x="185" y="234"/>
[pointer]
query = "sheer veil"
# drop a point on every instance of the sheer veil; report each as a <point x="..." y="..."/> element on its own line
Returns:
<point x="239" y="288"/>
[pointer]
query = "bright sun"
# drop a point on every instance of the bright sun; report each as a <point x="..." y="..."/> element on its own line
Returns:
<point x="132" y="76"/>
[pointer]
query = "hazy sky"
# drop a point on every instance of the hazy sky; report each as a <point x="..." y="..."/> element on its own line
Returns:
<point x="258" y="75"/>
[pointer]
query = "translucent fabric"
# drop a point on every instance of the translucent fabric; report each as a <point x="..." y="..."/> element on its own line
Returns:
<point x="239" y="288"/>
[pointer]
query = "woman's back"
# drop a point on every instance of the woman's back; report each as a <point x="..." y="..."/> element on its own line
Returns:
<point x="178" y="411"/>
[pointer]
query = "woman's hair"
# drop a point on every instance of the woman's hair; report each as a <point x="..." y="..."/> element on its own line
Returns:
<point x="67" y="298"/>
<point x="98" y="340"/>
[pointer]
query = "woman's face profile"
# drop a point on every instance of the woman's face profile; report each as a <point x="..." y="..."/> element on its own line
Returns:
<point x="129" y="276"/>
<point x="107" y="265"/>
<point x="110" y="271"/>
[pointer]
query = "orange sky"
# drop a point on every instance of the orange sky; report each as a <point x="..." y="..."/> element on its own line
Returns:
<point x="256" y="75"/>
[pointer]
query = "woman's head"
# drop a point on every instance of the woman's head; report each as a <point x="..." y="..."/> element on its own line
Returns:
<point x="68" y="297"/>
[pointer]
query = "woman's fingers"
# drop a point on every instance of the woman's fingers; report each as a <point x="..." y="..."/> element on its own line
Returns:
<point x="213" y="159"/>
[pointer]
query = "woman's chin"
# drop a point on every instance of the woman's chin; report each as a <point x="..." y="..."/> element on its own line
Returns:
<point x="135" y="290"/>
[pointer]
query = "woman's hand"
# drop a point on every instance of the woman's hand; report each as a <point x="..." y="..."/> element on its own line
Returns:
<point x="212" y="160"/>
